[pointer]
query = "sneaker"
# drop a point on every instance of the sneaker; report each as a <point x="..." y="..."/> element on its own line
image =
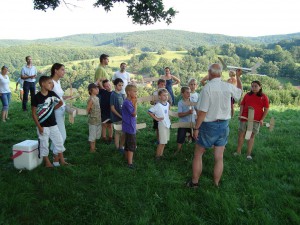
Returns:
<point x="190" y="184"/>
<point x="249" y="157"/>
<point x="56" y="164"/>
<point x="236" y="154"/>
<point x="131" y="166"/>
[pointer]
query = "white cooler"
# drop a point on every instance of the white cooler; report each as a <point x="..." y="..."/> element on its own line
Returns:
<point x="25" y="155"/>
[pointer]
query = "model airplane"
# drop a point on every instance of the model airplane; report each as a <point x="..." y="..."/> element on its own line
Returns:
<point x="245" y="70"/>
<point x="118" y="127"/>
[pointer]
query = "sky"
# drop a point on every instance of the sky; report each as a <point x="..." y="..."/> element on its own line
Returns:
<point x="232" y="17"/>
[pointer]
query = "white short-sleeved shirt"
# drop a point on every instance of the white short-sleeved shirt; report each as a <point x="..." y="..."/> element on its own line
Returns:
<point x="162" y="111"/>
<point x="125" y="77"/>
<point x="194" y="97"/>
<point x="4" y="84"/>
<point x="215" y="99"/>
<point x="58" y="90"/>
<point x="29" y="71"/>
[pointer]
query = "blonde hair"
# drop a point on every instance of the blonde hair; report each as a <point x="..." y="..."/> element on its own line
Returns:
<point x="130" y="87"/>
<point x="191" y="80"/>
<point x="162" y="91"/>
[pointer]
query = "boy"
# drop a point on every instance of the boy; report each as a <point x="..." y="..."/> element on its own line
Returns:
<point x="129" y="111"/>
<point x="104" y="98"/>
<point x="116" y="102"/>
<point x="20" y="81"/>
<point x="160" y="112"/>
<point x="42" y="106"/>
<point x="94" y="115"/>
<point x="161" y="83"/>
<point x="186" y="114"/>
<point x="193" y="86"/>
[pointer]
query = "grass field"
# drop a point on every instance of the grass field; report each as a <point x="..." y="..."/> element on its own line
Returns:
<point x="99" y="188"/>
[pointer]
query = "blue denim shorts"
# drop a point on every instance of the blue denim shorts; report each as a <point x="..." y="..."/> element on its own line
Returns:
<point x="213" y="133"/>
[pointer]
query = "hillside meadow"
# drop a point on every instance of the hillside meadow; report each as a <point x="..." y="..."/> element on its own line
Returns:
<point x="100" y="189"/>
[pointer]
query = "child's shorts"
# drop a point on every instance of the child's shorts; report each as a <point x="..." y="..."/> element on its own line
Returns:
<point x="181" y="134"/>
<point x="243" y="127"/>
<point x="130" y="142"/>
<point x="54" y="135"/>
<point x="94" y="132"/>
<point x="164" y="134"/>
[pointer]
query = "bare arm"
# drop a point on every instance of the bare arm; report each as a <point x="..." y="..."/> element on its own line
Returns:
<point x="35" y="119"/>
<point x="200" y="118"/>
<point x="238" y="79"/>
<point x="134" y="102"/>
<point x="177" y="81"/>
<point x="114" y="111"/>
<point x="266" y="110"/>
<point x="203" y="80"/>
<point x="59" y="104"/>
<point x="154" y="117"/>
<point x="183" y="114"/>
<point x="89" y="106"/>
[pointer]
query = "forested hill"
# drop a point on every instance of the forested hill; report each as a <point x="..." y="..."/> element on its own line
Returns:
<point x="152" y="40"/>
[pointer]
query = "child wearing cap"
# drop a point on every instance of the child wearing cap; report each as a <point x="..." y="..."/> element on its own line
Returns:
<point x="94" y="116"/>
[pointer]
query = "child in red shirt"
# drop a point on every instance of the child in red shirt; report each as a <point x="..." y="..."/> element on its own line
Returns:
<point x="260" y="102"/>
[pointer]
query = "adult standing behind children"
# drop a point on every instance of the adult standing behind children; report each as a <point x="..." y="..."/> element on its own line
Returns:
<point x="28" y="74"/>
<point x="58" y="72"/>
<point x="43" y="105"/>
<point x="212" y="124"/>
<point x="101" y="73"/>
<point x="169" y="82"/>
<point x="104" y="98"/>
<point x="260" y="102"/>
<point x="122" y="74"/>
<point x="5" y="92"/>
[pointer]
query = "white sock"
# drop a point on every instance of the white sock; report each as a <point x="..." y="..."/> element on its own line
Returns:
<point x="56" y="164"/>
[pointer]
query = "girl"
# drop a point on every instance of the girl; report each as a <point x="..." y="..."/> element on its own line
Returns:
<point x="260" y="102"/>
<point x="169" y="82"/>
<point x="5" y="92"/>
<point x="58" y="72"/>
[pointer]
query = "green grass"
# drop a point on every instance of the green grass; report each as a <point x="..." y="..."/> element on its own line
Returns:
<point x="100" y="189"/>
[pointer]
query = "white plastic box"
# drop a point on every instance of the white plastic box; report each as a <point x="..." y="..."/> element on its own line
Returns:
<point x="25" y="155"/>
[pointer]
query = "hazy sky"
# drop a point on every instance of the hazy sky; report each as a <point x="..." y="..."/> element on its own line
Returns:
<point x="230" y="17"/>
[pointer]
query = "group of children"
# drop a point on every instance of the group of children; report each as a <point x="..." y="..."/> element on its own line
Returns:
<point x="115" y="108"/>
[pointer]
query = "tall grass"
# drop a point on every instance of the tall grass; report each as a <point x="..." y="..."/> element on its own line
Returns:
<point x="99" y="188"/>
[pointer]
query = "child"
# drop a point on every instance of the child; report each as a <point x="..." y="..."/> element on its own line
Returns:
<point x="116" y="102"/>
<point x="260" y="103"/>
<point x="186" y="114"/>
<point x="94" y="115"/>
<point x="161" y="83"/>
<point x="193" y="86"/>
<point x="160" y="112"/>
<point x="20" y="81"/>
<point x="129" y="111"/>
<point x="43" y="105"/>
<point x="104" y="97"/>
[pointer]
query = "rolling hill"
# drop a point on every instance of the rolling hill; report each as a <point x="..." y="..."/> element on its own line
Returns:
<point x="151" y="40"/>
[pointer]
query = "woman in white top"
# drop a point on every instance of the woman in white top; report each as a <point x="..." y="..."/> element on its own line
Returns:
<point x="58" y="72"/>
<point x="5" y="92"/>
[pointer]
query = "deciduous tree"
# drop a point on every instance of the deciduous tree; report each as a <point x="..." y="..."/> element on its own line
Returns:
<point x="141" y="11"/>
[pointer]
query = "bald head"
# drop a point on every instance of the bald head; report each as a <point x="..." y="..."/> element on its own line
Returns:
<point x="214" y="70"/>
